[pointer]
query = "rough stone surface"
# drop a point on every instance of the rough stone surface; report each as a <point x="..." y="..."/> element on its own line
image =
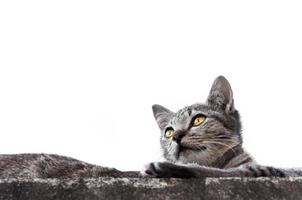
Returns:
<point x="110" y="188"/>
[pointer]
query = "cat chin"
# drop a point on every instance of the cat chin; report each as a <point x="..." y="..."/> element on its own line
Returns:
<point x="187" y="155"/>
<point x="193" y="156"/>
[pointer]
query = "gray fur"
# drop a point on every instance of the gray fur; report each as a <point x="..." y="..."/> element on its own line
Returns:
<point x="51" y="166"/>
<point x="212" y="149"/>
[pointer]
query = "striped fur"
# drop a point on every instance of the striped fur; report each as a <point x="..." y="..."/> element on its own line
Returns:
<point x="50" y="166"/>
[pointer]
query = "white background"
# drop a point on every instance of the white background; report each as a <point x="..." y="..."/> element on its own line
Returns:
<point x="78" y="78"/>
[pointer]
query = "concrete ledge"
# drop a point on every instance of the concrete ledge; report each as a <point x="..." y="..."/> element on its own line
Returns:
<point x="110" y="188"/>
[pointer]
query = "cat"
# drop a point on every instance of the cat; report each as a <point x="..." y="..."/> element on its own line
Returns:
<point x="204" y="140"/>
<point x="201" y="140"/>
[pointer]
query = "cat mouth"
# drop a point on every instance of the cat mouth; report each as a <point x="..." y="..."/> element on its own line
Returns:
<point x="185" y="148"/>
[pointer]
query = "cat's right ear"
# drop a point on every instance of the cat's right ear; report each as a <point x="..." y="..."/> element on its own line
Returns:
<point x="221" y="95"/>
<point x="162" y="115"/>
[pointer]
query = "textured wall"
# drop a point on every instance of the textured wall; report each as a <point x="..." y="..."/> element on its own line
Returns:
<point x="148" y="188"/>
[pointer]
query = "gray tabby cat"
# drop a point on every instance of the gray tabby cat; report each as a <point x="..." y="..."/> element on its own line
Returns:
<point x="204" y="140"/>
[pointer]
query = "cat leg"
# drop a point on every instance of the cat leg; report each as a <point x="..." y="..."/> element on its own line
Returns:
<point x="166" y="170"/>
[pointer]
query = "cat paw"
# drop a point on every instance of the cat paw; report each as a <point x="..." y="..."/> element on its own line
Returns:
<point x="158" y="170"/>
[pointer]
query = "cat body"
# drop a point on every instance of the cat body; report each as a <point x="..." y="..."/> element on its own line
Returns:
<point x="201" y="140"/>
<point x="204" y="140"/>
<point x="52" y="166"/>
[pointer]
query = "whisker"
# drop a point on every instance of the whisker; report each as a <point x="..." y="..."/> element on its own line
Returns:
<point x="209" y="139"/>
<point x="216" y="136"/>
<point x="215" y="142"/>
<point x="214" y="149"/>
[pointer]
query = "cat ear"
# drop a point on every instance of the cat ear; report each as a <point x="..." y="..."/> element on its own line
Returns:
<point x="162" y="115"/>
<point x="221" y="95"/>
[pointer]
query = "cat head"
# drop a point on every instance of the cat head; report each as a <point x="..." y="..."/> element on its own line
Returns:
<point x="200" y="133"/>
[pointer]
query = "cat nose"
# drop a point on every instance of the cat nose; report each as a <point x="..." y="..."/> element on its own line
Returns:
<point x="178" y="135"/>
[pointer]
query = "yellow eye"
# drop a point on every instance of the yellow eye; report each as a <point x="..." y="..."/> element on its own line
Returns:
<point x="169" y="133"/>
<point x="199" y="120"/>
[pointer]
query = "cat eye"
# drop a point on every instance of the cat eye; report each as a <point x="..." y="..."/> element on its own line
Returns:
<point x="198" y="120"/>
<point x="169" y="133"/>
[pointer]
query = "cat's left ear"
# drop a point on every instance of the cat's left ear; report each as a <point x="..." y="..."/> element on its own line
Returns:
<point x="221" y="95"/>
<point x="162" y="115"/>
